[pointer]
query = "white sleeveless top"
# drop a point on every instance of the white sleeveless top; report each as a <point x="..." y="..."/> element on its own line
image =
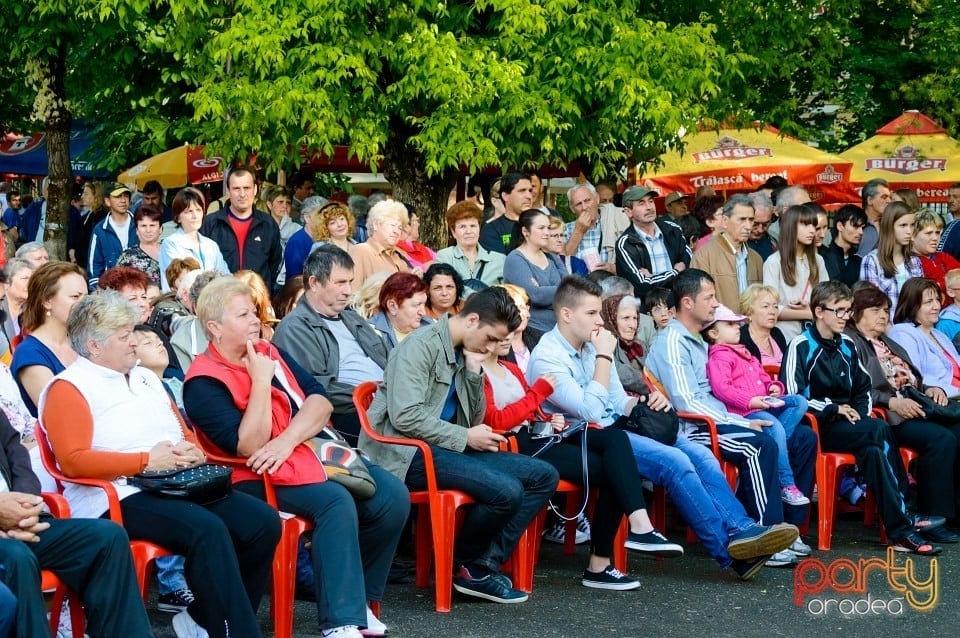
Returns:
<point x="128" y="416"/>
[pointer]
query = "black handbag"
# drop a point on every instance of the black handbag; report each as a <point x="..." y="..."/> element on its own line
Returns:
<point x="660" y="425"/>
<point x="204" y="484"/>
<point x="948" y="414"/>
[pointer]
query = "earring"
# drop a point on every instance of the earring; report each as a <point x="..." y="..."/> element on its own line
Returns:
<point x="48" y="313"/>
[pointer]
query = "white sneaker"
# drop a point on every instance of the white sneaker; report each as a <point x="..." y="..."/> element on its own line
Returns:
<point x="346" y="631"/>
<point x="784" y="558"/>
<point x="800" y="548"/>
<point x="184" y="626"/>
<point x="375" y="628"/>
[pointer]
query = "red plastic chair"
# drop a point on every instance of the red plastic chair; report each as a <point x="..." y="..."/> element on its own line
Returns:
<point x="144" y="553"/>
<point x="285" y="557"/>
<point x="48" y="580"/>
<point x="437" y="517"/>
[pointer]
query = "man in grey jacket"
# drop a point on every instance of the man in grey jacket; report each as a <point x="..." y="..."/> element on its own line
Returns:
<point x="433" y="391"/>
<point x="331" y="341"/>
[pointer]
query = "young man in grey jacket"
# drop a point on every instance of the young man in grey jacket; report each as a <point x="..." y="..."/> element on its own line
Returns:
<point x="433" y="391"/>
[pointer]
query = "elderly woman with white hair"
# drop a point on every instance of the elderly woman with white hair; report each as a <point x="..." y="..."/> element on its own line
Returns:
<point x="385" y="223"/>
<point x="108" y="418"/>
<point x="34" y="252"/>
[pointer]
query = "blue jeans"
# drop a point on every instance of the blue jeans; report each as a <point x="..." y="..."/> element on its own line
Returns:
<point x="785" y="420"/>
<point x="698" y="488"/>
<point x="509" y="490"/>
<point x="170" y="574"/>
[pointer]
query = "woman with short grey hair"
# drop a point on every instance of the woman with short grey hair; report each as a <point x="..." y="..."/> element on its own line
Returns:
<point x="108" y="418"/>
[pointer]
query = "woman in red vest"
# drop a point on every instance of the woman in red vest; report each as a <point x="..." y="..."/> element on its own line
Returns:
<point x="253" y="400"/>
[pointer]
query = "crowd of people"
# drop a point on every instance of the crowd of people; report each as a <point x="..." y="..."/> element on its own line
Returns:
<point x="171" y="330"/>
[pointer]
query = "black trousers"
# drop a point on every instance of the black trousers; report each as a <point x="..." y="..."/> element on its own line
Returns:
<point x="92" y="557"/>
<point x="229" y="548"/>
<point x="873" y="444"/>
<point x="610" y="467"/>
<point x="936" y="470"/>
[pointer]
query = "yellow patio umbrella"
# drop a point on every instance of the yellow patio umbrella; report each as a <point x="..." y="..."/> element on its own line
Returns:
<point x="174" y="168"/>
<point x="732" y="159"/>
<point x="911" y="151"/>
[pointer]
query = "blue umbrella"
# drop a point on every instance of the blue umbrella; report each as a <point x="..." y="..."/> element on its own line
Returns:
<point x="27" y="155"/>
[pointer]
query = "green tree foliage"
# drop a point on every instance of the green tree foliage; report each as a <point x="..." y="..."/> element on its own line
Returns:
<point x="431" y="87"/>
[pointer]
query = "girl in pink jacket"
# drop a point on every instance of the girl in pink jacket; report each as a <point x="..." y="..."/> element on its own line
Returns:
<point x="740" y="382"/>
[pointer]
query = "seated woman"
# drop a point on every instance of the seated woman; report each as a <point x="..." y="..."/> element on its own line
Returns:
<point x="477" y="266"/>
<point x="444" y="290"/>
<point x="132" y="284"/>
<point x="760" y="334"/>
<point x="927" y="229"/>
<point x="512" y="405"/>
<point x="145" y="254"/>
<point x="53" y="290"/>
<point x="419" y="255"/>
<point x="402" y="309"/>
<point x="253" y="401"/>
<point x="891" y="370"/>
<point x="261" y="300"/>
<point x="824" y="366"/>
<point x="621" y="316"/>
<point x="108" y="418"/>
<point x="892" y="263"/>
<point x="532" y="266"/>
<point x="524" y="337"/>
<point x="929" y="349"/>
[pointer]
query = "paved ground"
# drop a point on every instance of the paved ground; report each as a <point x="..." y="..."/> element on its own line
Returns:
<point x="689" y="596"/>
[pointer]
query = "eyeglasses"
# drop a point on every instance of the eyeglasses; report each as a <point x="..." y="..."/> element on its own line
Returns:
<point x="765" y="224"/>
<point x="555" y="236"/>
<point x="842" y="313"/>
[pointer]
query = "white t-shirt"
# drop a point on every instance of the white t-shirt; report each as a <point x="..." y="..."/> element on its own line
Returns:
<point x="122" y="231"/>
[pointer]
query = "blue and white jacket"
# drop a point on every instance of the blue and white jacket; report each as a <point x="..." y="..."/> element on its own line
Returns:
<point x="105" y="248"/>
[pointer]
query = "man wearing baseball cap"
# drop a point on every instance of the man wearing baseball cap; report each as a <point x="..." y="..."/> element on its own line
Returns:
<point x="649" y="254"/>
<point x="676" y="204"/>
<point x="113" y="235"/>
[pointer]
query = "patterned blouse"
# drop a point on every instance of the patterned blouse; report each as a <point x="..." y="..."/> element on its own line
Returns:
<point x="137" y="258"/>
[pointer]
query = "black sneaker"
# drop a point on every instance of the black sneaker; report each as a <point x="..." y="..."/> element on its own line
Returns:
<point x="653" y="543"/>
<point x="747" y="569"/>
<point x="489" y="588"/>
<point x="175" y="601"/>
<point x="915" y="544"/>
<point x="609" y="578"/>
<point x="762" y="540"/>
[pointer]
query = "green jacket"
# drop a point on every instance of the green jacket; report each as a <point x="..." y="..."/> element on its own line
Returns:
<point x="415" y="387"/>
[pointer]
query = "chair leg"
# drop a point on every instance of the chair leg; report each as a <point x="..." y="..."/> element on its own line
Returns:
<point x="619" y="558"/>
<point x="444" y="533"/>
<point x="284" y="579"/>
<point x="570" y="510"/>
<point x="423" y="542"/>
<point x="827" y="481"/>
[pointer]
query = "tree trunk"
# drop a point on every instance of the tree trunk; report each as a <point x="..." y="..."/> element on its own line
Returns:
<point x="57" y="119"/>
<point x="403" y="166"/>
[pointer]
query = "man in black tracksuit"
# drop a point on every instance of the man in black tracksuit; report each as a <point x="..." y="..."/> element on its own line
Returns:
<point x="822" y="365"/>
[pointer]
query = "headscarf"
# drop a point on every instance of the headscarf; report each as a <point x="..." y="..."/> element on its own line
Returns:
<point x="608" y="311"/>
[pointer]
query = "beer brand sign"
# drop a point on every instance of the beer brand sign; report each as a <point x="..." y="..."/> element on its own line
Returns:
<point x="829" y="175"/>
<point x="906" y="160"/>
<point x="730" y="148"/>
